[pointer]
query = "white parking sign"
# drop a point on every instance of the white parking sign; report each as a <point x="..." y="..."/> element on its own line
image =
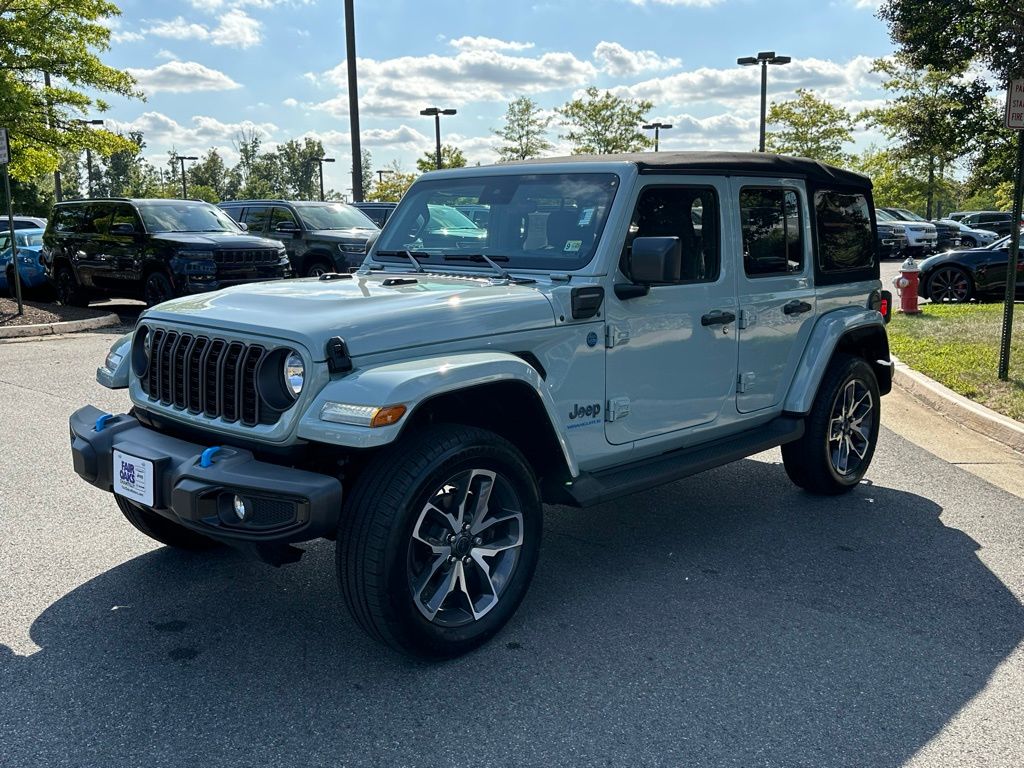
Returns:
<point x="5" y="149"/>
<point x="1015" y="105"/>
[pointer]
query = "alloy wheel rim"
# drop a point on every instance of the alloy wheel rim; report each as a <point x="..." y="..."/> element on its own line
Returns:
<point x="316" y="270"/>
<point x="465" y="547"/>
<point x="949" y="285"/>
<point x="63" y="286"/>
<point x="154" y="293"/>
<point x="850" y="428"/>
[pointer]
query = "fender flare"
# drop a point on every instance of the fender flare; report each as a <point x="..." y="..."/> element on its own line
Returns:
<point x="414" y="382"/>
<point x="827" y="336"/>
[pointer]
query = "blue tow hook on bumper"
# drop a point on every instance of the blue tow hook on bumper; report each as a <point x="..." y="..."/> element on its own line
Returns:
<point x="198" y="486"/>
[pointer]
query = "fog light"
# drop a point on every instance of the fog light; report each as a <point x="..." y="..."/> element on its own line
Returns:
<point x="241" y="511"/>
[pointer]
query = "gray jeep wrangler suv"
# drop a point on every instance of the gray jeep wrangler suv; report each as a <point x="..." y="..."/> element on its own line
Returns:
<point x="624" y="321"/>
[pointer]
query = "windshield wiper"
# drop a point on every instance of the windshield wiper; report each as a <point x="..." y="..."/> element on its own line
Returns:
<point x="413" y="256"/>
<point x="503" y="273"/>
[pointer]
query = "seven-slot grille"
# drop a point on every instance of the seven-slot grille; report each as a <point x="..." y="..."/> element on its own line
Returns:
<point x="206" y="375"/>
<point x="240" y="257"/>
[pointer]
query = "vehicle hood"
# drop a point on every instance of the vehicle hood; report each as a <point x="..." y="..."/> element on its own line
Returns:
<point x="963" y="256"/>
<point x="918" y="226"/>
<point x="373" y="313"/>
<point x="214" y="240"/>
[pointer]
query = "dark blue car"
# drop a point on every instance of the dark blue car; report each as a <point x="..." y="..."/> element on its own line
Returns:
<point x="33" y="276"/>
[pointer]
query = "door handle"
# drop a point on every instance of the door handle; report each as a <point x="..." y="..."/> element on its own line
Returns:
<point x="797" y="307"/>
<point x="717" y="317"/>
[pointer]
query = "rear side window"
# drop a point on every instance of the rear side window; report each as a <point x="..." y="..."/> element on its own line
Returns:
<point x="845" y="239"/>
<point x="256" y="218"/>
<point x="773" y="241"/>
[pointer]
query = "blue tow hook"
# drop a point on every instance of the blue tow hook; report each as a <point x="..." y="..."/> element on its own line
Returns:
<point x="206" y="459"/>
<point x="101" y="422"/>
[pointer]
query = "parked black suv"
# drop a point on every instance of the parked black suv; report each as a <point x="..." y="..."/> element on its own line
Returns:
<point x="319" y="237"/>
<point x="151" y="249"/>
<point x="999" y="222"/>
<point x="379" y="213"/>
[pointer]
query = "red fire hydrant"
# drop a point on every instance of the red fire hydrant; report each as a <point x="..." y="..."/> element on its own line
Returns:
<point x="906" y="286"/>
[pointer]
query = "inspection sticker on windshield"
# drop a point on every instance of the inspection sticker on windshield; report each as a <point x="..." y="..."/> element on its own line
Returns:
<point x="133" y="478"/>
<point x="571" y="246"/>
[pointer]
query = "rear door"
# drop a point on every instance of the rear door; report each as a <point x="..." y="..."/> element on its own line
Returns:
<point x="126" y="249"/>
<point x="256" y="217"/>
<point x="95" y="261"/>
<point x="776" y="293"/>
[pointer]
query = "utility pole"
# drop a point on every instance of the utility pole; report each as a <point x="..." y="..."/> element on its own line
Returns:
<point x="436" y="113"/>
<point x="5" y="158"/>
<point x="764" y="58"/>
<point x="58" y="191"/>
<point x="1014" y="120"/>
<point x="184" y="187"/>
<point x="88" y="157"/>
<point x="353" y="102"/>
<point x="380" y="174"/>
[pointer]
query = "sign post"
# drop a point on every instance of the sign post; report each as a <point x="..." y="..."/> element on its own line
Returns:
<point x="5" y="158"/>
<point x="1014" y="121"/>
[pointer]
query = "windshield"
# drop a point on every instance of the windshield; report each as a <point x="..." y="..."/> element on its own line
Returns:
<point x="334" y="216"/>
<point x="885" y="216"/>
<point x="534" y="221"/>
<point x="909" y="215"/>
<point x="186" y="216"/>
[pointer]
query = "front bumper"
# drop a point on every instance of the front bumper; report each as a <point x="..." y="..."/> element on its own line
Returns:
<point x="287" y="504"/>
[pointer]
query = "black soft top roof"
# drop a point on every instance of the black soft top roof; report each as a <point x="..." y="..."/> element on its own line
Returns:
<point x="725" y="164"/>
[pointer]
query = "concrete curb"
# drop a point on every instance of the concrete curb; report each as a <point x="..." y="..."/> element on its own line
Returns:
<point x="958" y="408"/>
<point x="51" y="329"/>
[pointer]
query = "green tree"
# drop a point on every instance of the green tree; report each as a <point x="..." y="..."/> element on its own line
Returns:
<point x="603" y="123"/>
<point x="451" y="157"/>
<point x="392" y="186"/>
<point x="810" y="127"/>
<point x="300" y="164"/>
<point x="367" y="169"/>
<point x="63" y="39"/>
<point x="524" y="132"/>
<point x="209" y="176"/>
<point x="932" y="116"/>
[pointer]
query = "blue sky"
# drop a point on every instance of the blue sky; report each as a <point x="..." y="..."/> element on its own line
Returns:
<point x="212" y="67"/>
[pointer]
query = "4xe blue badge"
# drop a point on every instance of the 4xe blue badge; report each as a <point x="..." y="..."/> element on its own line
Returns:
<point x="591" y="339"/>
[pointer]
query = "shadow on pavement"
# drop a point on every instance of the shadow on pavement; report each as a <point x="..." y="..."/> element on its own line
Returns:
<point x="715" y="628"/>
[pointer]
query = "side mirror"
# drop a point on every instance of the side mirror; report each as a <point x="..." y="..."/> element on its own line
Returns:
<point x="286" y="226"/>
<point x="656" y="260"/>
<point x="122" y="229"/>
<point x="242" y="226"/>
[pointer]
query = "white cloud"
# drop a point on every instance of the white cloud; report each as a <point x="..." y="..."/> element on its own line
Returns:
<point x="166" y="55"/>
<point x="688" y="3"/>
<point x="480" y="43"/>
<point x="619" y="61"/>
<point x="290" y="102"/>
<point x="204" y="131"/>
<point x="182" y="76"/>
<point x="738" y="86"/>
<point x="235" y="28"/>
<point x="404" y="85"/>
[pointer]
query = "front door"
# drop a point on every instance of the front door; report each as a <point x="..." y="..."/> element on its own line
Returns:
<point x="776" y="295"/>
<point x="671" y="360"/>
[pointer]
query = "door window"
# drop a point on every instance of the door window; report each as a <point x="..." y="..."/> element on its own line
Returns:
<point x="773" y="241"/>
<point x="125" y="214"/>
<point x="256" y="218"/>
<point x="845" y="239"/>
<point x="279" y="215"/>
<point x="688" y="213"/>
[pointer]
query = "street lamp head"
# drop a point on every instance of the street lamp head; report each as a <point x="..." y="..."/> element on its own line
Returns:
<point x="326" y="159"/>
<point x="89" y="122"/>
<point x="430" y="111"/>
<point x="448" y="111"/>
<point x="746" y="61"/>
<point x="187" y="157"/>
<point x="780" y="60"/>
<point x="765" y="55"/>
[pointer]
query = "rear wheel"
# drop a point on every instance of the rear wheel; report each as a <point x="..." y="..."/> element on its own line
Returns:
<point x="439" y="541"/>
<point x="318" y="268"/>
<point x="67" y="289"/>
<point x="161" y="529"/>
<point x="950" y="284"/>
<point x="157" y="289"/>
<point x="841" y="430"/>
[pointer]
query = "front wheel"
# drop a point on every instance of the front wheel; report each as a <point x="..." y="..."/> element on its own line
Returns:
<point x="841" y="430"/>
<point x="968" y="242"/>
<point x="67" y="289"/>
<point x="318" y="268"/>
<point x="157" y="289"/>
<point x="950" y="284"/>
<point x="439" y="541"/>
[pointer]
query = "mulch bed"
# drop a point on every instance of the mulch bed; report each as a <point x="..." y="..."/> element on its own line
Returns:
<point x="37" y="312"/>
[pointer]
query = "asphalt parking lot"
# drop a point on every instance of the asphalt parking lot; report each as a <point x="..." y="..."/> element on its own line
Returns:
<point x="725" y="620"/>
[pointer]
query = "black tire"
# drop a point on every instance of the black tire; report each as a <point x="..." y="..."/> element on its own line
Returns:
<point x="161" y="529"/>
<point x="157" y="289"/>
<point x="317" y="267"/>
<point x="951" y="284"/>
<point x="12" y="289"/>
<point x="67" y="290"/>
<point x="379" y="561"/>
<point x="814" y="462"/>
<point x="968" y="242"/>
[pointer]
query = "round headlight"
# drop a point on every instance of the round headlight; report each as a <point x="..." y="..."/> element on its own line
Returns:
<point x="294" y="373"/>
<point x="147" y="343"/>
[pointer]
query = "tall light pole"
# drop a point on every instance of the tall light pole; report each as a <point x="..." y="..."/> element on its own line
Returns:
<point x="184" y="188"/>
<point x="764" y="58"/>
<point x="658" y="127"/>
<point x="88" y="156"/>
<point x="353" y="102"/>
<point x="436" y="113"/>
<point x="321" y="161"/>
<point x="380" y="174"/>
